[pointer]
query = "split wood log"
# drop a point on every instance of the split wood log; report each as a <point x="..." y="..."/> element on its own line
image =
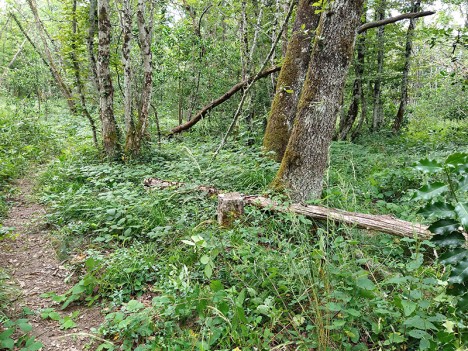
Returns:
<point x="231" y="206"/>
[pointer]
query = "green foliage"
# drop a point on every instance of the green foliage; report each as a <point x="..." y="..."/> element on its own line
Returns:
<point x="175" y="280"/>
<point x="447" y="202"/>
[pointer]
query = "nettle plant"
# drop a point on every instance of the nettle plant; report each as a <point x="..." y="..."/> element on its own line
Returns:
<point x="447" y="205"/>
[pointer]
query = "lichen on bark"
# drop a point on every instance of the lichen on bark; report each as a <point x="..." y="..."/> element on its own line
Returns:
<point x="290" y="80"/>
<point x="306" y="156"/>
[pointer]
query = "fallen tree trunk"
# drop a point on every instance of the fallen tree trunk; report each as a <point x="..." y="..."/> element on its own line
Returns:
<point x="226" y="96"/>
<point x="381" y="223"/>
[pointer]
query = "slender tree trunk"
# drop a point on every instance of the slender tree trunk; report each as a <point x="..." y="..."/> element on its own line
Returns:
<point x="363" y="116"/>
<point x="305" y="160"/>
<point x="90" y="42"/>
<point x="357" y="98"/>
<point x="290" y="80"/>
<point x="66" y="91"/>
<point x="126" y="22"/>
<point x="145" y="31"/>
<point x="377" y="115"/>
<point x="404" y="82"/>
<point x="77" y="74"/>
<point x="110" y="133"/>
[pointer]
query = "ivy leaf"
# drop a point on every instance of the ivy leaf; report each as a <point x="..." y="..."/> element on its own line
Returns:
<point x="429" y="191"/>
<point x="454" y="256"/>
<point x="462" y="212"/>
<point x="453" y="239"/>
<point x="428" y="166"/>
<point x="459" y="273"/>
<point x="438" y="209"/>
<point x="444" y="226"/>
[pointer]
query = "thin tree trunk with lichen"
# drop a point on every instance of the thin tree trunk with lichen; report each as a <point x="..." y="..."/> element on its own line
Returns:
<point x="377" y="115"/>
<point x="145" y="36"/>
<point x="404" y="83"/>
<point x="357" y="98"/>
<point x="77" y="74"/>
<point x="90" y="42"/>
<point x="64" y="88"/>
<point x="110" y="132"/>
<point x="290" y="80"/>
<point x="126" y="22"/>
<point x="305" y="160"/>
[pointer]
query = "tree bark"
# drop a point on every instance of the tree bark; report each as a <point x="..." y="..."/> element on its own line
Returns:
<point x="353" y="109"/>
<point x="110" y="133"/>
<point x="226" y="96"/>
<point x="66" y="91"/>
<point x="305" y="160"/>
<point x="377" y="114"/>
<point x="357" y="97"/>
<point x="291" y="80"/>
<point x="145" y="36"/>
<point x="404" y="82"/>
<point x="90" y="42"/>
<point x="126" y="22"/>
<point x="77" y="74"/>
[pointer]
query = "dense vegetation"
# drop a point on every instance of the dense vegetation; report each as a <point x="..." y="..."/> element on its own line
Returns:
<point x="165" y="273"/>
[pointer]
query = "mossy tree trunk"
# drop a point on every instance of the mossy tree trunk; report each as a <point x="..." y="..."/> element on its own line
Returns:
<point x="404" y="82"/>
<point x="305" y="160"/>
<point x="110" y="133"/>
<point x="291" y="80"/>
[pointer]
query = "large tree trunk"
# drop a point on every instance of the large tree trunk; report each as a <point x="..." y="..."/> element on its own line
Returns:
<point x="126" y="21"/>
<point x="77" y="74"/>
<point x="404" y="82"/>
<point x="110" y="133"/>
<point x="305" y="160"/>
<point x="377" y="115"/>
<point x="290" y="80"/>
<point x="66" y="91"/>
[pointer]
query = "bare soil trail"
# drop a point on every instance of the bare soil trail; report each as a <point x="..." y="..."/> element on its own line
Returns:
<point x="30" y="259"/>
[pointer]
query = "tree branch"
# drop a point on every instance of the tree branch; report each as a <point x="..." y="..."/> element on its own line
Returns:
<point x="226" y="96"/>
<point x="386" y="21"/>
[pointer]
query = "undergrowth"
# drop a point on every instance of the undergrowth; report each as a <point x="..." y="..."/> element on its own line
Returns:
<point x="171" y="279"/>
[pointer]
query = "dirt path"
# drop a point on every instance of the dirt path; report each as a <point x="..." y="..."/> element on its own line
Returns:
<point x="31" y="261"/>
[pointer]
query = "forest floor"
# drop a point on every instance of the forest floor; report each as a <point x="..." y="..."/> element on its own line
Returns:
<point x="30" y="259"/>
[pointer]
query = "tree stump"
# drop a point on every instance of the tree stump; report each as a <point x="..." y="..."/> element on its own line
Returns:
<point x="230" y="207"/>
